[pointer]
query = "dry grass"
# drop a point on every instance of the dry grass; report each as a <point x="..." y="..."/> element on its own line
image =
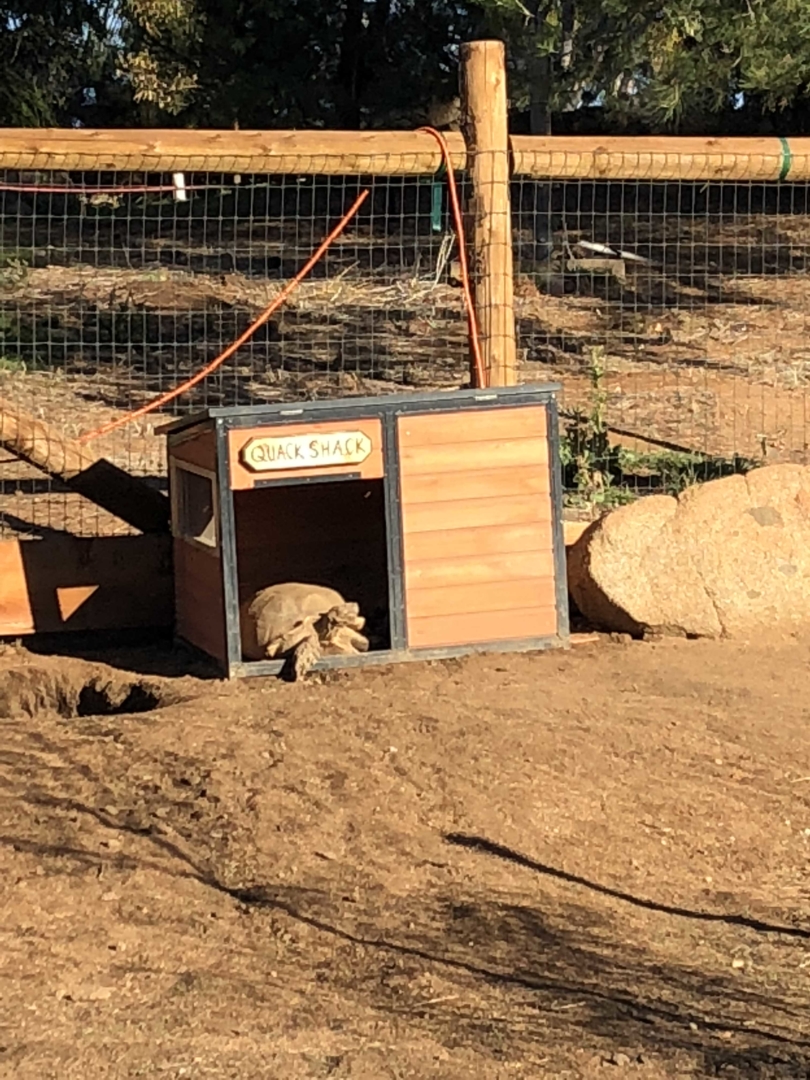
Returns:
<point x="707" y="347"/>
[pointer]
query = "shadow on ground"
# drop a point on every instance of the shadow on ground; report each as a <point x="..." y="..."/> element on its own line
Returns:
<point x="570" y="964"/>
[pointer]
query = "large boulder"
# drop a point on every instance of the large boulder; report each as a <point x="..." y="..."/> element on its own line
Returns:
<point x="724" y="559"/>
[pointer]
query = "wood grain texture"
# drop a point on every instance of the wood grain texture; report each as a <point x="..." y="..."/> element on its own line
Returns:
<point x="199" y="451"/>
<point x="162" y="150"/>
<point x="81" y="583"/>
<point x="434" y="429"/>
<point x="474" y="457"/>
<point x="475" y="569"/>
<point x="658" y="157"/>
<point x="243" y="479"/>
<point x="472" y="513"/>
<point x="199" y="599"/>
<point x="484" y="123"/>
<point x="471" y="629"/>
<point x="480" y="597"/>
<point x="477" y="526"/>
<point x="485" y="484"/>
<point x="399" y="153"/>
<point x="477" y="541"/>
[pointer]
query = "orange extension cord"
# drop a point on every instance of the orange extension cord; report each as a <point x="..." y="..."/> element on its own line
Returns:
<point x="479" y="373"/>
<point x="277" y="301"/>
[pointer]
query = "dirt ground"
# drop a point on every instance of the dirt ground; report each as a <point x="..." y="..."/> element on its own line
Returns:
<point x="589" y="863"/>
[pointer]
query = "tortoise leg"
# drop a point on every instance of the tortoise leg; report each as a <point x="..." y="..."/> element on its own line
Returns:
<point x="293" y="638"/>
<point x="306" y="653"/>
<point x="344" y="639"/>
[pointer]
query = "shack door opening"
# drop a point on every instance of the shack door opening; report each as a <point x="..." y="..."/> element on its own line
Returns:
<point x="331" y="533"/>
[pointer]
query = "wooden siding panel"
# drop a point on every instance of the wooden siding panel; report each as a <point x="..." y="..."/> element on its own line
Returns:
<point x="477" y="527"/>
<point x="474" y="513"/>
<point x="430" y="429"/>
<point x="479" y="540"/>
<point x="472" y="629"/>
<point x="482" y="484"/>
<point x="200" y="601"/>
<point x="471" y="457"/>
<point x="475" y="569"/>
<point x="482" y="596"/>
<point x="199" y="450"/>
<point x="67" y="582"/>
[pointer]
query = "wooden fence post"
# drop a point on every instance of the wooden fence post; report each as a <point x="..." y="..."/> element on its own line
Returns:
<point x="485" y="129"/>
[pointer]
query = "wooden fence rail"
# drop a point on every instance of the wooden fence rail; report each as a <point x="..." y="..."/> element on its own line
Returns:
<point x="402" y="153"/>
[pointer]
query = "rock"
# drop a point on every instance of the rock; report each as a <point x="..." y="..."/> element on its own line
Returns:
<point x="724" y="559"/>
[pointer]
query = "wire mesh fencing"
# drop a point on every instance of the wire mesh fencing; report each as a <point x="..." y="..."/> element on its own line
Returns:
<point x="115" y="288"/>
<point x="677" y="316"/>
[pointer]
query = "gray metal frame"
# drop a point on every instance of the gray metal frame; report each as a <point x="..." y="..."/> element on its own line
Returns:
<point x="387" y="409"/>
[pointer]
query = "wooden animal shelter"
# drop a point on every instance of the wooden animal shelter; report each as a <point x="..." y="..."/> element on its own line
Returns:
<point x="440" y="514"/>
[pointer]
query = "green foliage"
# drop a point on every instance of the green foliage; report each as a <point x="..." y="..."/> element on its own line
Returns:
<point x="590" y="463"/>
<point x="50" y="51"/>
<point x="13" y="269"/>
<point x="598" y="476"/>
<point x="367" y="63"/>
<point x="663" y="64"/>
<point x="316" y="63"/>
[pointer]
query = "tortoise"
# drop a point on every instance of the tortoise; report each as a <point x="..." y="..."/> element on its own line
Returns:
<point x="300" y="622"/>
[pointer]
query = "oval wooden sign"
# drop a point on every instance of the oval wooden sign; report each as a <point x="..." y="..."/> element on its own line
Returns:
<point x="307" y="451"/>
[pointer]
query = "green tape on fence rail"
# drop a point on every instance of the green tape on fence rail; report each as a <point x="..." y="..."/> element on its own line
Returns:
<point x="436" y="206"/>
<point x="437" y="198"/>
<point x="787" y="158"/>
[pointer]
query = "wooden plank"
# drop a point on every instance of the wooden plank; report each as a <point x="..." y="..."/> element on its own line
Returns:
<point x="659" y="157"/>
<point x="371" y="468"/>
<point x="85" y="583"/>
<point x="321" y="153"/>
<point x="472" y="457"/>
<point x="480" y="597"/>
<point x="434" y="429"/>
<point x="486" y="484"/>
<point x="471" y="513"/>
<point x="484" y="123"/>
<point x="16" y="610"/>
<point x="448" y="630"/>
<point x="199" y="451"/>
<point x="483" y="540"/>
<point x="199" y="598"/>
<point x="474" y="569"/>
<point x="399" y="153"/>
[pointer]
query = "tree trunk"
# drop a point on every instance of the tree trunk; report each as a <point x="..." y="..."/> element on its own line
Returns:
<point x="348" y="71"/>
<point x="540" y="101"/>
